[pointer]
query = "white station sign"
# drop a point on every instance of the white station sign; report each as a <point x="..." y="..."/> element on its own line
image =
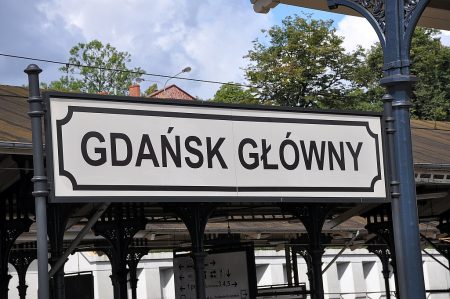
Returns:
<point x="119" y="149"/>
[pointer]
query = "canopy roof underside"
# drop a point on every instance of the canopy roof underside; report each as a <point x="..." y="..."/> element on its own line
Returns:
<point x="436" y="15"/>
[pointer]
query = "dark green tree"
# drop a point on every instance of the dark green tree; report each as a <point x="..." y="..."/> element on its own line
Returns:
<point x="93" y="67"/>
<point x="430" y="62"/>
<point x="232" y="93"/>
<point x="302" y="63"/>
<point x="151" y="89"/>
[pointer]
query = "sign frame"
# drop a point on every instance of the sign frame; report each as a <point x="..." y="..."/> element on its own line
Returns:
<point x="180" y="103"/>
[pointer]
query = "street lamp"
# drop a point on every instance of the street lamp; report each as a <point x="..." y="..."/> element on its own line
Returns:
<point x="185" y="70"/>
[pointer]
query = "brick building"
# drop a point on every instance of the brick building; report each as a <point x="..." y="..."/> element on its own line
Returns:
<point x="170" y="92"/>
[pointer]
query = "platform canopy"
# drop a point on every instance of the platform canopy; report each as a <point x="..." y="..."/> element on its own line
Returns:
<point x="253" y="222"/>
<point x="436" y="15"/>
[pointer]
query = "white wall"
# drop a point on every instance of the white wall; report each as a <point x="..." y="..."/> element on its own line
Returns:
<point x="354" y="272"/>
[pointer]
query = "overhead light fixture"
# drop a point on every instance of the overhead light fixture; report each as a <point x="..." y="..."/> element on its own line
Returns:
<point x="185" y="70"/>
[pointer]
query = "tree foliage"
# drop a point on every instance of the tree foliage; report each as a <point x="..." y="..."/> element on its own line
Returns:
<point x="302" y="63"/>
<point x="430" y="62"/>
<point x="93" y="67"/>
<point x="151" y="89"/>
<point x="231" y="93"/>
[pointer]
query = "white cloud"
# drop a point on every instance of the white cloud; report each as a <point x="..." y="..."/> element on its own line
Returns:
<point x="445" y="37"/>
<point x="164" y="36"/>
<point x="25" y="31"/>
<point x="211" y="36"/>
<point x="356" y="31"/>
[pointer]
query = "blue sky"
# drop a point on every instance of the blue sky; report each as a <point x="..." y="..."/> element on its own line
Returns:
<point x="162" y="36"/>
<point x="282" y="11"/>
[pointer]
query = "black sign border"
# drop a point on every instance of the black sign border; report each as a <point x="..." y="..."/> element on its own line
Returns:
<point x="143" y="198"/>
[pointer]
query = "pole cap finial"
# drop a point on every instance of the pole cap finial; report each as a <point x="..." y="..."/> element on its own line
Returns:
<point x="32" y="69"/>
<point x="387" y="98"/>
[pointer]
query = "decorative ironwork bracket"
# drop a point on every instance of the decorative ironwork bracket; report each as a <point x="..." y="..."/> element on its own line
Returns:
<point x="21" y="258"/>
<point x="376" y="12"/>
<point x="118" y="226"/>
<point x="372" y="10"/>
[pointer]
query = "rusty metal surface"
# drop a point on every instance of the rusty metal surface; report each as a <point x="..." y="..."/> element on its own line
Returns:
<point x="431" y="141"/>
<point x="15" y="124"/>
